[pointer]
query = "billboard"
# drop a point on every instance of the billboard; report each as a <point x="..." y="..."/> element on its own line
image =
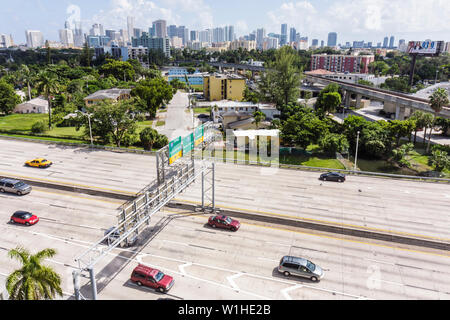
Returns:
<point x="175" y="150"/>
<point x="426" y="48"/>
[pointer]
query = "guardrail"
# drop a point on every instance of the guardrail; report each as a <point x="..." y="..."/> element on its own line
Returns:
<point x="321" y="169"/>
<point x="81" y="145"/>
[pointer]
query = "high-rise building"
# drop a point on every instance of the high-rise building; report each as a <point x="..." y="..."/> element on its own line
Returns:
<point x="160" y="28"/>
<point x="78" y="36"/>
<point x="231" y="34"/>
<point x="66" y="37"/>
<point x="292" y="34"/>
<point x="172" y="31"/>
<point x="270" y="43"/>
<point x="181" y="33"/>
<point x="315" y="43"/>
<point x="6" y="41"/>
<point x="130" y="27"/>
<point x="137" y="33"/>
<point x="385" y="42"/>
<point x="341" y="63"/>
<point x="332" y="39"/>
<point x="205" y="36"/>
<point x="97" y="30"/>
<point x="284" y="34"/>
<point x="260" y="35"/>
<point x="35" y="38"/>
<point x="391" y="42"/>
<point x="194" y="35"/>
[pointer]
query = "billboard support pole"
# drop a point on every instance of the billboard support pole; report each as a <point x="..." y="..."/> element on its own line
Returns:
<point x="413" y="67"/>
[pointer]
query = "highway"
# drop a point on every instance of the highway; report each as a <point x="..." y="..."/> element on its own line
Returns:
<point x="210" y="264"/>
<point x="401" y="207"/>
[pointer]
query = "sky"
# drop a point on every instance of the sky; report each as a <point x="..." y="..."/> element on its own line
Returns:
<point x="353" y="20"/>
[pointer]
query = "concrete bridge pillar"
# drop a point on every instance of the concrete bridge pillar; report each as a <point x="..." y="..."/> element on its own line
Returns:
<point x="347" y="98"/>
<point x="358" y="101"/>
<point x="400" y="113"/>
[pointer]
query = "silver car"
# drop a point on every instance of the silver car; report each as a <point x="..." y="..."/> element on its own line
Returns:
<point x="14" y="186"/>
<point x="300" y="267"/>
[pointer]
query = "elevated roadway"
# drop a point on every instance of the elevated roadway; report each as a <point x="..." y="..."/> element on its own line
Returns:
<point x="399" y="100"/>
<point x="397" y="207"/>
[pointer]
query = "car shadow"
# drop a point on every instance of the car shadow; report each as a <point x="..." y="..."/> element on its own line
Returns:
<point x="163" y="296"/>
<point x="279" y="275"/>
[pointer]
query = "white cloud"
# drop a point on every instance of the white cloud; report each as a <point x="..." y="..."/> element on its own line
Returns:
<point x="364" y="17"/>
<point x="191" y="13"/>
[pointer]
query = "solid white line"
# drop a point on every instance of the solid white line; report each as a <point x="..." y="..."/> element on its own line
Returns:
<point x="378" y="261"/>
<point x="231" y="281"/>
<point x="181" y="267"/>
<point x="284" y="292"/>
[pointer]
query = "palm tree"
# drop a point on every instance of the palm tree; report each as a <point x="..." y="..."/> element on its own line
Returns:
<point x="259" y="117"/>
<point x="438" y="100"/>
<point x="26" y="77"/>
<point x="48" y="86"/>
<point x="33" y="281"/>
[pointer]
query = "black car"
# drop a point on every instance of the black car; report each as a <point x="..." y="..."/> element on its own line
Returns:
<point x="333" y="176"/>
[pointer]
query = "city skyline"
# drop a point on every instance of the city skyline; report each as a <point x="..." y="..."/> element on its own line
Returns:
<point x="49" y="17"/>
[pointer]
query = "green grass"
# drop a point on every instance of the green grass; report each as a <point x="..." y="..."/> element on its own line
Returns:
<point x="160" y="123"/>
<point x="162" y="111"/>
<point x="201" y="110"/>
<point x="45" y="138"/>
<point x="20" y="122"/>
<point x="144" y="124"/>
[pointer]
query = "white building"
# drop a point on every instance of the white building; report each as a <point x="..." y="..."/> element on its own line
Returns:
<point x="35" y="38"/>
<point x="37" y="105"/>
<point x="66" y="37"/>
<point x="225" y="106"/>
<point x="176" y="42"/>
<point x="6" y="41"/>
<point x="270" y="43"/>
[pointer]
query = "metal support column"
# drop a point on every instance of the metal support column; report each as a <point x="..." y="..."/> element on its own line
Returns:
<point x="93" y="283"/>
<point x="208" y="190"/>
<point x="76" y="284"/>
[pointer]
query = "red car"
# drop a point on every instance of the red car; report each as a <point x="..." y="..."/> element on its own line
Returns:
<point x="224" y="222"/>
<point x="152" y="278"/>
<point x="25" y="218"/>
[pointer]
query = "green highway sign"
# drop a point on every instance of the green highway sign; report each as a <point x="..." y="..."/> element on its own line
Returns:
<point x="175" y="150"/>
<point x="188" y="144"/>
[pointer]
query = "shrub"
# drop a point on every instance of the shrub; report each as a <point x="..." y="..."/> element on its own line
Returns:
<point x="39" y="127"/>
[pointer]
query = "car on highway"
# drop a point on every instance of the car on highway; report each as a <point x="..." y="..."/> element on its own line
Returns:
<point x="39" y="163"/>
<point x="14" y="186"/>
<point x="224" y="222"/>
<point x="24" y="217"/>
<point x="333" y="176"/>
<point x="111" y="236"/>
<point x="300" y="267"/>
<point x="152" y="278"/>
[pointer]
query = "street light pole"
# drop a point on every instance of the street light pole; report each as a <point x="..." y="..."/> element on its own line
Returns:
<point x="356" y="155"/>
<point x="435" y="81"/>
<point x="90" y="128"/>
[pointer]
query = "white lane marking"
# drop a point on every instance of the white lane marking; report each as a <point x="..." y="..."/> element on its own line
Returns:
<point x="279" y="244"/>
<point x="390" y="282"/>
<point x="181" y="267"/>
<point x="285" y="293"/>
<point x="231" y="281"/>
<point x="175" y="242"/>
<point x="265" y="259"/>
<point x="379" y="261"/>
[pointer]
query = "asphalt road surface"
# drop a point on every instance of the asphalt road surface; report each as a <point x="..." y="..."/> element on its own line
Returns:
<point x="210" y="264"/>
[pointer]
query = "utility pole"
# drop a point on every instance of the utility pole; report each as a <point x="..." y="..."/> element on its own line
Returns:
<point x="356" y="155"/>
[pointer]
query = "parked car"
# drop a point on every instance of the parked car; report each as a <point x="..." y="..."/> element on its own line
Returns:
<point x="132" y="240"/>
<point x="14" y="186"/>
<point x="39" y="163"/>
<point x="333" y="176"/>
<point x="23" y="217"/>
<point x="300" y="267"/>
<point x="152" y="278"/>
<point x="224" y="222"/>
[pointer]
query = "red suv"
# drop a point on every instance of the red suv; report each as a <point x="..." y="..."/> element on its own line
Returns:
<point x="24" y="217"/>
<point x="224" y="222"/>
<point x="152" y="278"/>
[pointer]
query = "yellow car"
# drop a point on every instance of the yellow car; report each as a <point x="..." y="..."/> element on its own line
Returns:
<point x="39" y="163"/>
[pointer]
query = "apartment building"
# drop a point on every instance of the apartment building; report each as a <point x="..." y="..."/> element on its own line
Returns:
<point x="219" y="87"/>
<point x="342" y="63"/>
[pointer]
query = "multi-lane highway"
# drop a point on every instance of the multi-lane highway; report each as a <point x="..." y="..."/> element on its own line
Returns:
<point x="213" y="264"/>
<point x="407" y="208"/>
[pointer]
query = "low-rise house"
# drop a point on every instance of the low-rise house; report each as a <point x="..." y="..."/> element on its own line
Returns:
<point x="36" y="105"/>
<point x="112" y="95"/>
<point x="221" y="107"/>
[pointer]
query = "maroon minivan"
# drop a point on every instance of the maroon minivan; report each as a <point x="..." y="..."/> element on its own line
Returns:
<point x="152" y="278"/>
